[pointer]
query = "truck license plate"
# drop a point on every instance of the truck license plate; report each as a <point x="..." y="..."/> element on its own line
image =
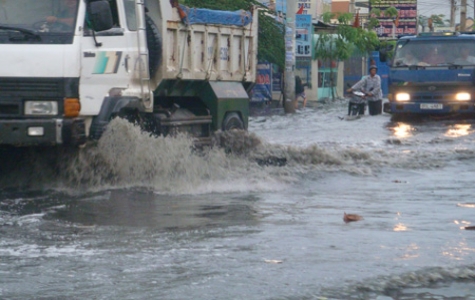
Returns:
<point x="432" y="106"/>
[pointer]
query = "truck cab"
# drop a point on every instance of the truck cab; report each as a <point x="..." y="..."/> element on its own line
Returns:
<point x="70" y="66"/>
<point x="432" y="74"/>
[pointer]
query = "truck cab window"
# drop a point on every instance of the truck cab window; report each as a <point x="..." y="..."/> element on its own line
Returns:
<point x="129" y="6"/>
<point x="39" y="22"/>
<point x="115" y="13"/>
<point x="115" y="30"/>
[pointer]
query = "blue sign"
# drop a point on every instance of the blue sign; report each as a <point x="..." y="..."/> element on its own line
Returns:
<point x="262" y="91"/>
<point x="303" y="35"/>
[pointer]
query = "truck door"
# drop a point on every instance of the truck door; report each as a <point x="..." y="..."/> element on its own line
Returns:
<point x="108" y="66"/>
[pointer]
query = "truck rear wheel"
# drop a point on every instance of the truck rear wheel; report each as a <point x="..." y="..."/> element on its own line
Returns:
<point x="232" y="121"/>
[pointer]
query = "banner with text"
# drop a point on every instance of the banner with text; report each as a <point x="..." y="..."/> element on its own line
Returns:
<point x="303" y="35"/>
<point x="262" y="91"/>
<point x="406" y="22"/>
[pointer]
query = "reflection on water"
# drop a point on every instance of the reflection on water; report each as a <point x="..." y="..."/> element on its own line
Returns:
<point x="458" y="251"/>
<point x="412" y="251"/>
<point x="403" y="130"/>
<point x="400" y="227"/>
<point x="451" y="130"/>
<point x="459" y="130"/>
<point x="147" y="209"/>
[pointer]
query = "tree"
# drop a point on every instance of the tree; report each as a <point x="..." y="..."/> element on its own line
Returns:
<point x="431" y="22"/>
<point x="339" y="44"/>
<point x="271" y="47"/>
<point x="375" y="13"/>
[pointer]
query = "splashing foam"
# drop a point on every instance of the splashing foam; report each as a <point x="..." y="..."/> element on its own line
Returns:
<point x="127" y="157"/>
<point x="385" y="285"/>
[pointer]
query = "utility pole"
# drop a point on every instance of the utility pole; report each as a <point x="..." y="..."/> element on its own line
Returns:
<point x="452" y="14"/>
<point x="289" y="73"/>
<point x="463" y="15"/>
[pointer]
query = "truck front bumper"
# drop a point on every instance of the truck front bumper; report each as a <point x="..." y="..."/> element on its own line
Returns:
<point x="425" y="108"/>
<point x="42" y="132"/>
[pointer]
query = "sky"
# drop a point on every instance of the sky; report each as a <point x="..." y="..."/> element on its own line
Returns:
<point x="431" y="7"/>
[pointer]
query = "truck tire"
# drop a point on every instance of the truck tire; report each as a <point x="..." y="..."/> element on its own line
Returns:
<point x="154" y="44"/>
<point x="232" y="121"/>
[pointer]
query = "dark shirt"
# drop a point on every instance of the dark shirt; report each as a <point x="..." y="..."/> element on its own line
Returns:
<point x="299" y="86"/>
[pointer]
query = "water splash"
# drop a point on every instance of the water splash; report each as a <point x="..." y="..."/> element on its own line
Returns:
<point x="127" y="157"/>
<point x="395" y="286"/>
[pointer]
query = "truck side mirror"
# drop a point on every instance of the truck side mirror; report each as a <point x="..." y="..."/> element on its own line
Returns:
<point x="383" y="55"/>
<point x="383" y="52"/>
<point x="100" y="15"/>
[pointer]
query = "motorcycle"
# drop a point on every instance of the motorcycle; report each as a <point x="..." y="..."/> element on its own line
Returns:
<point x="356" y="105"/>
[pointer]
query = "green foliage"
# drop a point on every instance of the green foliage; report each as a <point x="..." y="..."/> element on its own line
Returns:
<point x="341" y="44"/>
<point x="373" y="22"/>
<point x="271" y="47"/>
<point x="327" y="17"/>
<point x="438" y="20"/>
<point x="391" y="12"/>
<point x="375" y="12"/>
<point x="387" y="47"/>
<point x="345" y="18"/>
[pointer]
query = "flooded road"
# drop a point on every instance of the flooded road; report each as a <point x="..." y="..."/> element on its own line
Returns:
<point x="141" y="218"/>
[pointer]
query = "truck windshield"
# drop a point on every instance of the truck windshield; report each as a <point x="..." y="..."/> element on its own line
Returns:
<point x="440" y="52"/>
<point x="43" y="17"/>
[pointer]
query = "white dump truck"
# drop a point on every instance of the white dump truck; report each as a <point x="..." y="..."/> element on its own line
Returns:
<point x="69" y="66"/>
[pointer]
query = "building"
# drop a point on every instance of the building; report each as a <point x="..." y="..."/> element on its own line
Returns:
<point x="349" y="6"/>
<point x="311" y="7"/>
<point x="306" y="67"/>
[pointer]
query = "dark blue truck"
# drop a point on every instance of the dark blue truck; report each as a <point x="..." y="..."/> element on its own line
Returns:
<point x="432" y="74"/>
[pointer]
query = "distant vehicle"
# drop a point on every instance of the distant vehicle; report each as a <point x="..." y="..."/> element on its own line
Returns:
<point x="70" y="66"/>
<point x="432" y="74"/>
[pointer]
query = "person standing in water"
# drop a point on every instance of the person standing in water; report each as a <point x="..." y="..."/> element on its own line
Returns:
<point x="371" y="86"/>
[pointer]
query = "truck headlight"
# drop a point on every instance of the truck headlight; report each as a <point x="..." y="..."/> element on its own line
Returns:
<point x="402" y="97"/>
<point x="41" y="108"/>
<point x="463" y="97"/>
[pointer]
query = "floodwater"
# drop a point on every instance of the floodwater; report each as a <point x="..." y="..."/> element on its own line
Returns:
<point x="137" y="217"/>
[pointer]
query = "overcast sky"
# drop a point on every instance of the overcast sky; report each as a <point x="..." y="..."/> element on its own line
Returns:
<point x="431" y="7"/>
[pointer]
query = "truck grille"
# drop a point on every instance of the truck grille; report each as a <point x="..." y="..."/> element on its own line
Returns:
<point x="446" y="97"/>
<point x="14" y="87"/>
<point x="14" y="91"/>
<point x="9" y="109"/>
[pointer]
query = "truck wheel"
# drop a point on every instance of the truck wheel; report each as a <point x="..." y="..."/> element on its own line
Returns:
<point x="232" y="121"/>
<point x="154" y="43"/>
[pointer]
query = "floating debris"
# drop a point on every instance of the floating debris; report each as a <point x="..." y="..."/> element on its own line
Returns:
<point x="351" y="217"/>
<point x="399" y="181"/>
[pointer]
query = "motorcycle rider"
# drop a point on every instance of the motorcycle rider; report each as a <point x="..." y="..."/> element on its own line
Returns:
<point x="371" y="86"/>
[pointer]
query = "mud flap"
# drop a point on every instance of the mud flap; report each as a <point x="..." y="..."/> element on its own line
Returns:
<point x="179" y="120"/>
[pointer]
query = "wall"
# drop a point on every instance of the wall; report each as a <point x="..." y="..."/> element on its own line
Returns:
<point x="340" y="6"/>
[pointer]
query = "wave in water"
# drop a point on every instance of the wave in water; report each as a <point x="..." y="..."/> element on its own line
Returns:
<point x="240" y="161"/>
<point x="433" y="282"/>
